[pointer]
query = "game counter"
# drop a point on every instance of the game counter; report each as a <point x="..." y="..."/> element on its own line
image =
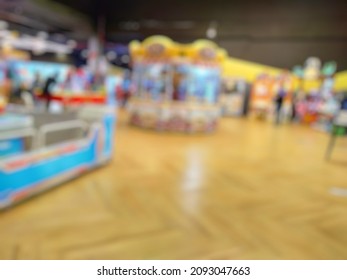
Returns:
<point x="62" y="148"/>
<point x="14" y="128"/>
<point x="40" y="149"/>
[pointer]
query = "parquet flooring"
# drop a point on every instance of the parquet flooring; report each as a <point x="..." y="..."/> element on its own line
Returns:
<point x="249" y="191"/>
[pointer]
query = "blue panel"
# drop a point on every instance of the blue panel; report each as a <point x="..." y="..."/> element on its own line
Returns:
<point x="11" y="147"/>
<point x="109" y="122"/>
<point x="47" y="168"/>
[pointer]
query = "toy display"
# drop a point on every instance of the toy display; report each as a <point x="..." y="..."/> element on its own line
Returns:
<point x="319" y="105"/>
<point x="233" y="96"/>
<point x="175" y="87"/>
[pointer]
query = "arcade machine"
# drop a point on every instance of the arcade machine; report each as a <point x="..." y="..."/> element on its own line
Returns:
<point x="233" y="96"/>
<point x="264" y="93"/>
<point x="40" y="150"/>
<point x="175" y="86"/>
<point x="316" y="103"/>
<point x="262" y="96"/>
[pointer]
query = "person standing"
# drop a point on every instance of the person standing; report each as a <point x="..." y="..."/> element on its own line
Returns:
<point x="47" y="89"/>
<point x="279" y="100"/>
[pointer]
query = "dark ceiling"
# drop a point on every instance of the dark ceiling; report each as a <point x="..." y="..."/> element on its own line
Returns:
<point x="31" y="16"/>
<point x="280" y="33"/>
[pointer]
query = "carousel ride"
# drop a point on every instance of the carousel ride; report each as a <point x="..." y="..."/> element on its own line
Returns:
<point x="175" y="87"/>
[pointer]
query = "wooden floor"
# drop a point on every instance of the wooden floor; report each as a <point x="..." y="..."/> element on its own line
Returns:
<point x="249" y="191"/>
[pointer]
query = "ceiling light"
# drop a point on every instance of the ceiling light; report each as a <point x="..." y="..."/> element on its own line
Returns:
<point x="184" y="24"/>
<point x="39" y="47"/>
<point x="151" y="23"/>
<point x="72" y="44"/>
<point x="111" y="55"/>
<point x="211" y="32"/>
<point x="125" y="59"/>
<point x="42" y="35"/>
<point x="59" y="37"/>
<point x="84" y="53"/>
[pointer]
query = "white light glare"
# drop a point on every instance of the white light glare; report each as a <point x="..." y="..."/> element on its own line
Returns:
<point x="111" y="55"/>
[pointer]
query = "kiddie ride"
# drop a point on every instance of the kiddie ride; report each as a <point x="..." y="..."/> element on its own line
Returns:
<point x="175" y="86"/>
<point x="39" y="150"/>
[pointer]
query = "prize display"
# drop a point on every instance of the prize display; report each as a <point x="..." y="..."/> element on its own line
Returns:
<point x="175" y="87"/>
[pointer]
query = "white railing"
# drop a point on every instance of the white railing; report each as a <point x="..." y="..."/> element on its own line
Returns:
<point x="60" y="126"/>
<point x="20" y="133"/>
